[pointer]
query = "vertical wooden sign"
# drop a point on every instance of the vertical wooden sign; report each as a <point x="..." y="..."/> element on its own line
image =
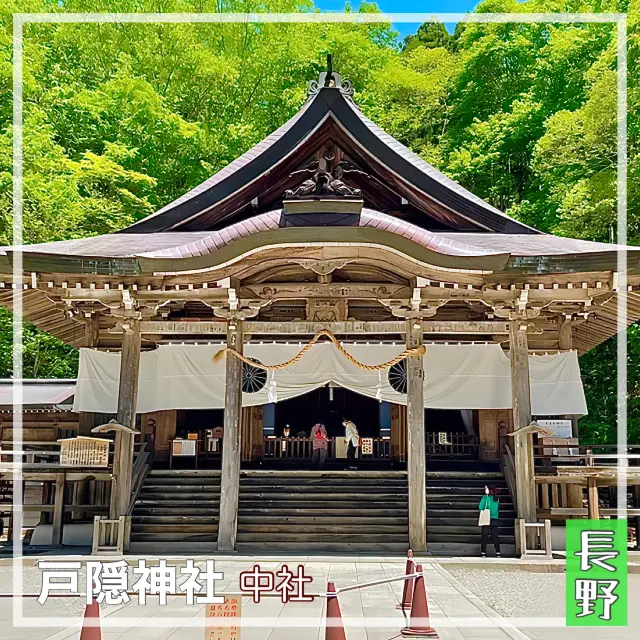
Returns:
<point x="231" y="611"/>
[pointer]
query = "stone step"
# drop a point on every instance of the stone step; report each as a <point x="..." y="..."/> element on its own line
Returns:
<point x="302" y="483"/>
<point x="462" y="521"/>
<point x="173" y="518"/>
<point x="210" y="538"/>
<point x="344" y="506"/>
<point x="320" y="510"/>
<point x="314" y="528"/>
<point x="172" y="547"/>
<point x="293" y="547"/>
<point x="332" y="489"/>
<point x="435" y="530"/>
<point x="173" y="501"/>
<point x="350" y="539"/>
<point x="465" y="549"/>
<point x="469" y="538"/>
<point x="195" y="489"/>
<point x="185" y="473"/>
<point x="456" y="512"/>
<point x="321" y="519"/>
<point x="185" y="528"/>
<point x="176" y="510"/>
<point x="173" y="481"/>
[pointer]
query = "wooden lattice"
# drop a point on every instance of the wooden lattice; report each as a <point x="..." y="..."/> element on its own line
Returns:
<point x="84" y="452"/>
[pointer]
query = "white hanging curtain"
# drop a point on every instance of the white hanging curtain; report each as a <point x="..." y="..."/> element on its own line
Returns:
<point x="467" y="420"/>
<point x="456" y="377"/>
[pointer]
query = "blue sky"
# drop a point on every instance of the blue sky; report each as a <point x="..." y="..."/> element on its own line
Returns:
<point x="407" y="6"/>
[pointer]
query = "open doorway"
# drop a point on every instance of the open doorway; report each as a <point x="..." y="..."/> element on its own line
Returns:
<point x="328" y="405"/>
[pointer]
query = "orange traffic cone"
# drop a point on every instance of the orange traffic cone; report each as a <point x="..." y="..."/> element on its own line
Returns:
<point x="334" y="626"/>
<point x="407" y="592"/>
<point x="91" y="623"/>
<point x="419" y="626"/>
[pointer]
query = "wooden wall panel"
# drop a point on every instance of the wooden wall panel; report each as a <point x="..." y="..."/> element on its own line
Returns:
<point x="160" y="428"/>
<point x="491" y="423"/>
<point x="40" y="426"/>
<point x="399" y="432"/>
<point x="251" y="438"/>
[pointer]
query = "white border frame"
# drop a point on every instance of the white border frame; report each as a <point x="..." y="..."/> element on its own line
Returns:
<point x="21" y="19"/>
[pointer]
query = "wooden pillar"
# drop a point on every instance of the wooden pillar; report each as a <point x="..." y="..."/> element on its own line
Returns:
<point x="230" y="478"/>
<point x="58" y="512"/>
<point x="565" y="343"/>
<point x="592" y="502"/>
<point x="574" y="496"/>
<point x="416" y="465"/>
<point x="127" y="398"/>
<point x="521" y="398"/>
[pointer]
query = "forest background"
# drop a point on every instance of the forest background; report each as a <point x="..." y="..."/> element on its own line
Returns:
<point x="120" y="119"/>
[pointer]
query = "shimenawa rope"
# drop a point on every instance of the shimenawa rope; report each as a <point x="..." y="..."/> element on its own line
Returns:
<point x="414" y="351"/>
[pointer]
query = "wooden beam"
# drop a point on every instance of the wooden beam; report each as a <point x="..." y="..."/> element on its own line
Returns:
<point x="111" y="297"/>
<point x="230" y="478"/>
<point x="58" y="512"/>
<point x="449" y="327"/>
<point x="521" y="400"/>
<point x="416" y="465"/>
<point x="335" y="290"/>
<point x="565" y="334"/>
<point x="127" y="400"/>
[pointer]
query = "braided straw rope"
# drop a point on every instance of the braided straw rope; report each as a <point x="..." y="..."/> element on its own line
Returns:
<point x="415" y="351"/>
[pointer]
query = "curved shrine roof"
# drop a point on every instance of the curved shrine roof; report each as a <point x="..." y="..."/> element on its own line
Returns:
<point x="487" y="251"/>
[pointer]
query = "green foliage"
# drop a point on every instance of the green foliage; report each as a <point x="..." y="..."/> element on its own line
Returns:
<point x="430" y="35"/>
<point x="43" y="356"/>
<point x="120" y="119"/>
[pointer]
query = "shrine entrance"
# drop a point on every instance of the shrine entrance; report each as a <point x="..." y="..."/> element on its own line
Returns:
<point x="329" y="406"/>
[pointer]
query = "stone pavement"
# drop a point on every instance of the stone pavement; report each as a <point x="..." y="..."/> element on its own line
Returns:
<point x="468" y="601"/>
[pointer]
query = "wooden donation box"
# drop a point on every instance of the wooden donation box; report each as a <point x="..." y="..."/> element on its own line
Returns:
<point x="84" y="451"/>
<point x="223" y="620"/>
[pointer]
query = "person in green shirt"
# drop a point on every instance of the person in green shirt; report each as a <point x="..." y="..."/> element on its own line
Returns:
<point x="490" y="501"/>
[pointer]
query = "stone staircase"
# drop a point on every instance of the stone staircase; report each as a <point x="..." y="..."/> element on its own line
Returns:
<point x="452" y="513"/>
<point x="323" y="512"/>
<point x="176" y="512"/>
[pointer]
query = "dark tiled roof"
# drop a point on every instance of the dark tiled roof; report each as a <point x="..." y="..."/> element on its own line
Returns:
<point x="329" y="103"/>
<point x="201" y="243"/>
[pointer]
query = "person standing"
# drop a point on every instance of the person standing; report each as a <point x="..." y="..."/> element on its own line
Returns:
<point x="489" y="506"/>
<point x="319" y="445"/>
<point x="352" y="439"/>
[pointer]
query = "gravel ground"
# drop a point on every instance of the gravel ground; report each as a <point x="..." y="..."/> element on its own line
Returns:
<point x="521" y="594"/>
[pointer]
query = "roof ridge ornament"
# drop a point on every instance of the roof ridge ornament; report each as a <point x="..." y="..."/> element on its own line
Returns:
<point x="330" y="79"/>
<point x="326" y="179"/>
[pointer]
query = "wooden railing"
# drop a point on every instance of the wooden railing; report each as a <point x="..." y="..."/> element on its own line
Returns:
<point x="509" y="469"/>
<point x="455" y="445"/>
<point x="302" y="448"/>
<point x="605" y="455"/>
<point x="141" y="466"/>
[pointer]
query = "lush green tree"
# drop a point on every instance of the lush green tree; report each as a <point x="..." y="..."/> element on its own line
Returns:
<point x="430" y="35"/>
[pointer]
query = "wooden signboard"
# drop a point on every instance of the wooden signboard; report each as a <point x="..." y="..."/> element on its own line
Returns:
<point x="366" y="446"/>
<point x="230" y="610"/>
<point x="84" y="452"/>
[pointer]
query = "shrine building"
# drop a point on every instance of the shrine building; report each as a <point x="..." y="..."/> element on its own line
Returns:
<point x="327" y="274"/>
